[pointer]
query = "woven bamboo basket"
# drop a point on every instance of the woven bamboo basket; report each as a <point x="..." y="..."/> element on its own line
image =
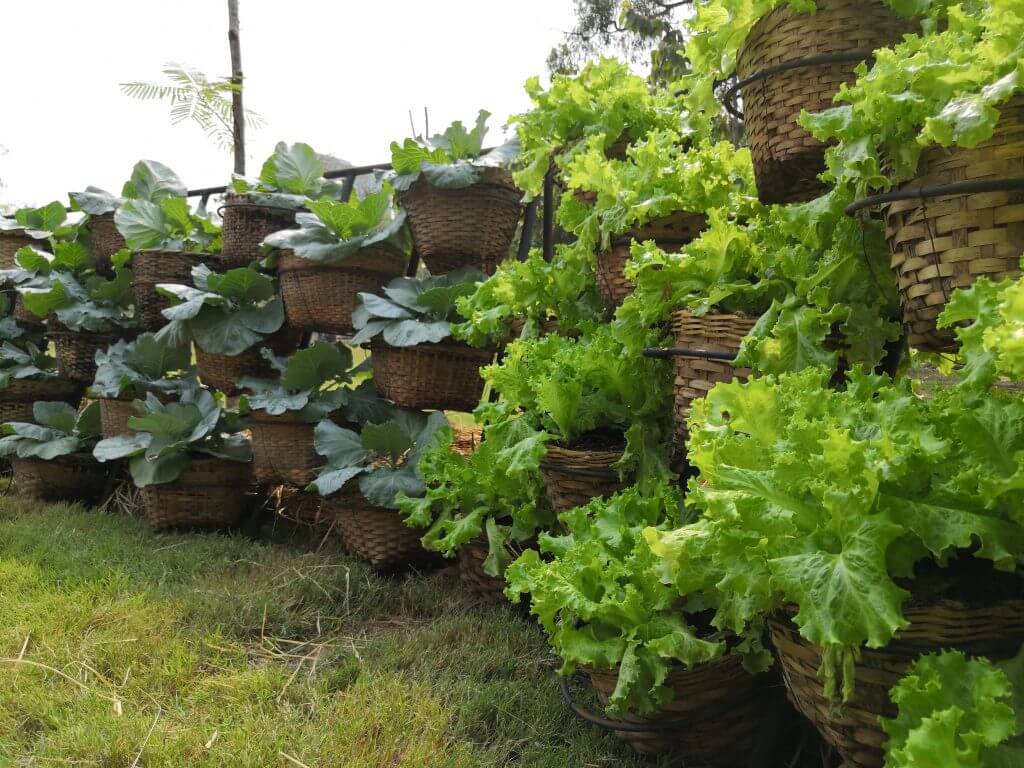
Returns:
<point x="469" y="227"/>
<point x="152" y="267"/>
<point x="223" y="371"/>
<point x="104" y="241"/>
<point x="76" y="353"/>
<point x="575" y="477"/>
<point x="375" y="534"/>
<point x="474" y="578"/>
<point x="670" y="234"/>
<point x="210" y="493"/>
<point x="787" y="159"/>
<point x="282" y="448"/>
<point x="322" y="297"/>
<point x="943" y="243"/>
<point x="75" y="477"/>
<point x="18" y="397"/>
<point x="695" y="376"/>
<point x="244" y="226"/>
<point x="114" y="415"/>
<point x="995" y="631"/>
<point x="23" y="317"/>
<point x="726" y="703"/>
<point x="11" y="241"/>
<point x="444" y="376"/>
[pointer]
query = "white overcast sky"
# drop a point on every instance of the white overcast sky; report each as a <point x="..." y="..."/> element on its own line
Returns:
<point x="341" y="75"/>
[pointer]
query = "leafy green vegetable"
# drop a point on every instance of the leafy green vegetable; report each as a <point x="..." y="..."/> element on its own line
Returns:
<point x="46" y="221"/>
<point x="335" y="231"/>
<point x="23" y="352"/>
<point x="58" y="430"/>
<point x="152" y="181"/>
<point x="496" y="491"/>
<point x="94" y="201"/>
<point x="225" y="314"/>
<point x="413" y="310"/>
<point x="957" y="712"/>
<point x="383" y="456"/>
<point x="92" y="304"/>
<point x="147" y="364"/>
<point x="823" y="498"/>
<point x="167" y="436"/>
<point x="450" y="160"/>
<point x="288" y="177"/>
<point x="168" y="225"/>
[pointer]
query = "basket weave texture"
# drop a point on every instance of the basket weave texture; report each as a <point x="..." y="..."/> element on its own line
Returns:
<point x="76" y="353"/>
<point x="244" y="226"/>
<point x="152" y="267"/>
<point x="726" y="739"/>
<point x="995" y="631"/>
<point x="322" y="297"/>
<point x="18" y="397"/>
<point x="670" y="233"/>
<point x="375" y="534"/>
<point x="210" y="493"/>
<point x="22" y="316"/>
<point x="469" y="227"/>
<point x="694" y="377"/>
<point x="444" y="376"/>
<point x="787" y="159"/>
<point x="75" y="477"/>
<point x="282" y="448"/>
<point x="223" y="372"/>
<point x="945" y="243"/>
<point x="104" y="241"/>
<point x="568" y="487"/>
<point x="114" y="415"/>
<point x="474" y="578"/>
<point x="13" y="241"/>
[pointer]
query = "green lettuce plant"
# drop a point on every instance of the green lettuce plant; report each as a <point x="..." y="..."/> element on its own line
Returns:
<point x="58" y="430"/>
<point x="290" y="177"/>
<point x="451" y="160"/>
<point x="225" y="314"/>
<point x="496" y="491"/>
<point x="828" y="500"/>
<point x="382" y="456"/>
<point x="335" y="231"/>
<point x="414" y="310"/>
<point x="147" y="364"/>
<point x="167" y="436"/>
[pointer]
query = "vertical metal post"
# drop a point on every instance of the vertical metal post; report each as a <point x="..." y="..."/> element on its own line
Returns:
<point x="549" y="216"/>
<point x="346" y="187"/>
<point x="237" y="109"/>
<point x="526" y="233"/>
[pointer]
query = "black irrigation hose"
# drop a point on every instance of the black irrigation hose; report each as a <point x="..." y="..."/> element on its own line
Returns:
<point x="937" y="190"/>
<point x="667" y="353"/>
<point x="849" y="57"/>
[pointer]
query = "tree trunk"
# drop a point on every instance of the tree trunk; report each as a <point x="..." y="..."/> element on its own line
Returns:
<point x="237" y="110"/>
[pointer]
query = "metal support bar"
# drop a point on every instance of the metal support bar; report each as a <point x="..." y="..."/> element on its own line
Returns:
<point x="526" y="233"/>
<point x="937" y="190"/>
<point x="667" y="353"/>
<point x="549" y="216"/>
<point x="346" y="188"/>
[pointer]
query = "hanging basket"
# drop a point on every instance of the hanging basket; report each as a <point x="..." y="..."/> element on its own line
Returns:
<point x="712" y="720"/>
<point x="995" y="631"/>
<point x="150" y="268"/>
<point x="245" y="224"/>
<point x="104" y="241"/>
<point x="469" y="227"/>
<point x="375" y="534"/>
<point x="282" y="448"/>
<point x="322" y="297"/>
<point x="670" y="233"/>
<point x="474" y="578"/>
<point x="210" y="494"/>
<point x="574" y="477"/>
<point x="793" y="61"/>
<point x="695" y="372"/>
<point x="941" y="243"/>
<point x="114" y="415"/>
<point x="75" y="477"/>
<point x="76" y="352"/>
<point x="23" y="317"/>
<point x="12" y="241"/>
<point x="18" y="397"/>
<point x="444" y="376"/>
<point x="222" y="372"/>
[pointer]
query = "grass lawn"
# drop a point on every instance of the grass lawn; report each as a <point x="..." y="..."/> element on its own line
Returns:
<point x="121" y="648"/>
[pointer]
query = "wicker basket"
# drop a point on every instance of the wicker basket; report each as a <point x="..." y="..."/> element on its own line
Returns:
<point x="244" y="226"/>
<point x="18" y="397"/>
<point x="669" y="233"/>
<point x="282" y="449"/>
<point x="943" y="243"/>
<point x="474" y="578"/>
<point x="76" y="353"/>
<point x="104" y="241"/>
<point x="75" y="477"/>
<point x="443" y="376"/>
<point x="375" y="534"/>
<point x="787" y="159"/>
<point x="152" y="267"/>
<point x="995" y="631"/>
<point x="114" y="415"/>
<point x="469" y="227"/>
<point x="223" y="372"/>
<point x="575" y="477"/>
<point x="22" y="316"/>
<point x="726" y="703"/>
<point x="322" y="297"/>
<point x="12" y="241"/>
<point x="210" y="493"/>
<point x="695" y="376"/>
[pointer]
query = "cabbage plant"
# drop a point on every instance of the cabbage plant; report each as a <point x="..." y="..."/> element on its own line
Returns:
<point x="290" y="177"/>
<point x="58" y="430"/>
<point x="147" y="364"/>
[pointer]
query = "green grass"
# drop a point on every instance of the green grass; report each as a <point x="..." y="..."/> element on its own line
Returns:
<point x="123" y="648"/>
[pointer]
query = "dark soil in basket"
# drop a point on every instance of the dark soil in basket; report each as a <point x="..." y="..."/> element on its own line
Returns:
<point x="965" y="579"/>
<point x="598" y="440"/>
